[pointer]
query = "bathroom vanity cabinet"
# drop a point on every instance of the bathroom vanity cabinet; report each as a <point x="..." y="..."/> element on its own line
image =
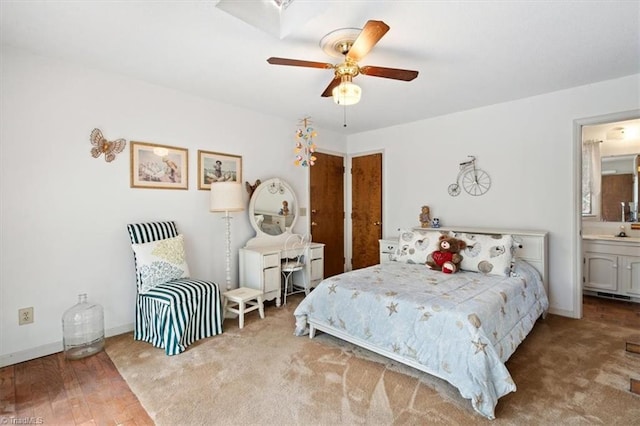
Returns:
<point x="611" y="268"/>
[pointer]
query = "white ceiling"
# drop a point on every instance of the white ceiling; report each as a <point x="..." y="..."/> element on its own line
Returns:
<point x="469" y="53"/>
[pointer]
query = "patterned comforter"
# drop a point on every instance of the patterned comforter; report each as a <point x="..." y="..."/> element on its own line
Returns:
<point x="460" y="327"/>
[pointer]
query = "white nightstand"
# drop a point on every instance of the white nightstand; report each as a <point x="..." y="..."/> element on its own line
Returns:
<point x="388" y="249"/>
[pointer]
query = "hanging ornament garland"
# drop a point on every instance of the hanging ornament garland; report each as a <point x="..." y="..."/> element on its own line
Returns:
<point x="305" y="147"/>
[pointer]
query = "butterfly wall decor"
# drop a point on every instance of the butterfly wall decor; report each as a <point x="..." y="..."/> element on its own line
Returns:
<point x="109" y="148"/>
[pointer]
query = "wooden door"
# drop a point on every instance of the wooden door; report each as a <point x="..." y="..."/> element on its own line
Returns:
<point x="366" y="211"/>
<point x="327" y="209"/>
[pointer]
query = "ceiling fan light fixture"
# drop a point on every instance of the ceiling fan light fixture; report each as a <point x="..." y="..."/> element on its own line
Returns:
<point x="346" y="93"/>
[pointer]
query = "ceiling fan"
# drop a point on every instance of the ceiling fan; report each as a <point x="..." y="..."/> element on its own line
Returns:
<point x="351" y="44"/>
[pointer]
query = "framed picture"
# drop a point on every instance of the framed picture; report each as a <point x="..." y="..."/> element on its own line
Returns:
<point x="218" y="167"/>
<point x="159" y="166"/>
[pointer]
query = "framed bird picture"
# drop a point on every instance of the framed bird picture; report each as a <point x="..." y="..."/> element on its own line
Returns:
<point x="159" y="166"/>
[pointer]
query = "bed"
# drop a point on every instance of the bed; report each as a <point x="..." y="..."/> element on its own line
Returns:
<point x="459" y="327"/>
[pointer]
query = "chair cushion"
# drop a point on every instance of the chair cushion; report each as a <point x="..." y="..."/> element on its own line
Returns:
<point x="160" y="261"/>
<point x="175" y="314"/>
<point x="291" y="265"/>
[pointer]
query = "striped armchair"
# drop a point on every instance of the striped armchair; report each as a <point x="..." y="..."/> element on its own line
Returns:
<point x="175" y="314"/>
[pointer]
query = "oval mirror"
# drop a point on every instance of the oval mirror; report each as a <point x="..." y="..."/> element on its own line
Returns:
<point x="272" y="208"/>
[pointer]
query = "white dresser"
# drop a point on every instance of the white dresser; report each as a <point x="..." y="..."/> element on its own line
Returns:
<point x="260" y="269"/>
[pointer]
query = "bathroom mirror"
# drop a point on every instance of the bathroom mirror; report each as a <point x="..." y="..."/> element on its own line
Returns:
<point x="610" y="168"/>
<point x="619" y="186"/>
<point x="273" y="207"/>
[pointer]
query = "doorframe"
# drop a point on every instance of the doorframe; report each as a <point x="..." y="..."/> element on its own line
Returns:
<point x="348" y="205"/>
<point x="577" y="194"/>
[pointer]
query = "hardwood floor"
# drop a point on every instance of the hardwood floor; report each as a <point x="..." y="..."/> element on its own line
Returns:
<point x="52" y="390"/>
<point x="618" y="312"/>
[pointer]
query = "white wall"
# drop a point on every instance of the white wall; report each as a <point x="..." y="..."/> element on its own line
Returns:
<point x="64" y="212"/>
<point x="526" y="146"/>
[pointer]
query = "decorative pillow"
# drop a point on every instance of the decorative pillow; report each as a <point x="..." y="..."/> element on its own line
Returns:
<point x="415" y="245"/>
<point x="488" y="254"/>
<point x="160" y="261"/>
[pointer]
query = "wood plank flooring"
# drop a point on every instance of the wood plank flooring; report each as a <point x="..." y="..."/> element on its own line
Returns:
<point x="619" y="312"/>
<point x="55" y="391"/>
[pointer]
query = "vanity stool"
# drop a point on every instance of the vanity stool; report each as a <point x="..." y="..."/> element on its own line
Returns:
<point x="236" y="301"/>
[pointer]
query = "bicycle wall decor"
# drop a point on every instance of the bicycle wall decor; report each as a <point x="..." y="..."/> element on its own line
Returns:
<point x="475" y="181"/>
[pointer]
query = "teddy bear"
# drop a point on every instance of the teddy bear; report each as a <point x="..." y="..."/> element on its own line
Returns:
<point x="425" y="219"/>
<point x="447" y="258"/>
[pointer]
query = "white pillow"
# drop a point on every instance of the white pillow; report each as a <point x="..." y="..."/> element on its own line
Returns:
<point x="488" y="254"/>
<point x="415" y="245"/>
<point x="160" y="261"/>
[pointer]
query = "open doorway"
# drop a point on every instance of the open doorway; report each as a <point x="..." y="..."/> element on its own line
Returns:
<point x="607" y="152"/>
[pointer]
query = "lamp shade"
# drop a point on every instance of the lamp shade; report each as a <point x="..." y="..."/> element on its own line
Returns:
<point x="226" y="197"/>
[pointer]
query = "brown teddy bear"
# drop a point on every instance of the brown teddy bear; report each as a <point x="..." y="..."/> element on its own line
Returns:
<point x="447" y="257"/>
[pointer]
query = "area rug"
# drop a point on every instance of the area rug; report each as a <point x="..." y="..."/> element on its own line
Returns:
<point x="567" y="372"/>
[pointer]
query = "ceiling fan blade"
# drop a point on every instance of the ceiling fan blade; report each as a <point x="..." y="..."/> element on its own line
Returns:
<point x="329" y="90"/>
<point x="370" y="35"/>
<point x="395" y="73"/>
<point x="299" y="63"/>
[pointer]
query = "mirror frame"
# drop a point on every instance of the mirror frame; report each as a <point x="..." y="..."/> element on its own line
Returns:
<point x="264" y="186"/>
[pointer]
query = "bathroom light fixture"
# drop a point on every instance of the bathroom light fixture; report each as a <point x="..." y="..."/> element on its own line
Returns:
<point x="347" y="92"/>
<point x="617" y="133"/>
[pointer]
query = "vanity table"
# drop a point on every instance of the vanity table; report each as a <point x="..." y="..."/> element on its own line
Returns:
<point x="261" y="257"/>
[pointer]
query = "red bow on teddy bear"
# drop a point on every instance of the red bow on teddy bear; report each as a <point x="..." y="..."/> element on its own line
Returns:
<point x="447" y="257"/>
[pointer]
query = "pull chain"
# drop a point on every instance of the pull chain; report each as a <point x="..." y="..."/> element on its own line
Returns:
<point x="344" y="122"/>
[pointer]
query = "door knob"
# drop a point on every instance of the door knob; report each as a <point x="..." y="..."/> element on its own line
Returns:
<point x="314" y="211"/>
<point x="314" y="224"/>
<point x="377" y="223"/>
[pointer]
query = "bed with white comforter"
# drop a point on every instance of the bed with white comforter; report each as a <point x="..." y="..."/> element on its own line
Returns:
<point x="459" y="327"/>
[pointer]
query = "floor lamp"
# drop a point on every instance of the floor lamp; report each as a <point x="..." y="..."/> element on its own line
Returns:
<point x="227" y="197"/>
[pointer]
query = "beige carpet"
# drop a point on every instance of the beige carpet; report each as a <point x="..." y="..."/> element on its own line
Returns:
<point x="567" y="372"/>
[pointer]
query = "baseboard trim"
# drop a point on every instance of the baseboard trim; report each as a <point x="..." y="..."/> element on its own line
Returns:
<point x="51" y="348"/>
<point x="562" y="312"/>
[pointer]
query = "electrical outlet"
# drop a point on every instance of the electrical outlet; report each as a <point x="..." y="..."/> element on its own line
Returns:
<point x="25" y="316"/>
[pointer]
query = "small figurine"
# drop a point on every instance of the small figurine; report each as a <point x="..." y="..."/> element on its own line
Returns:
<point x="285" y="208"/>
<point x="425" y="219"/>
<point x="435" y="223"/>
